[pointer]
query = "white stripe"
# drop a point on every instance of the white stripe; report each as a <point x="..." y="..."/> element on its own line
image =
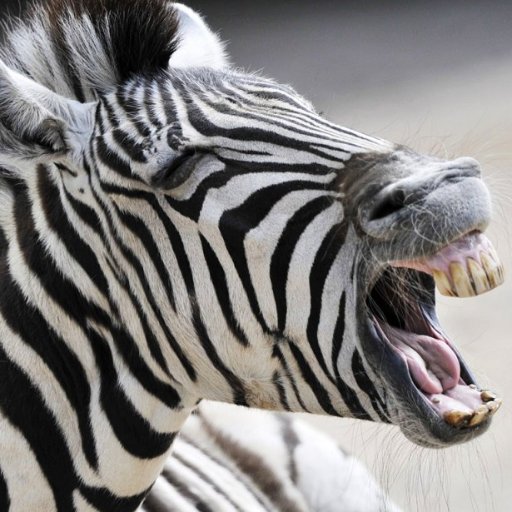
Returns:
<point x="260" y="244"/>
<point x="27" y="485"/>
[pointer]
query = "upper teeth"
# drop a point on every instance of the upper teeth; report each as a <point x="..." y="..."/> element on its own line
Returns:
<point x="470" y="278"/>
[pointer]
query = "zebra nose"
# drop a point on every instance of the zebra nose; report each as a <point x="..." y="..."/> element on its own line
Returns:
<point x="385" y="206"/>
<point x="389" y="203"/>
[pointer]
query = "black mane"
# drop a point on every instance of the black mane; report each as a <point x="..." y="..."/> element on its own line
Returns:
<point x="95" y="44"/>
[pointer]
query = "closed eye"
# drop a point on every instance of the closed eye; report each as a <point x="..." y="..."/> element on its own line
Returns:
<point x="178" y="171"/>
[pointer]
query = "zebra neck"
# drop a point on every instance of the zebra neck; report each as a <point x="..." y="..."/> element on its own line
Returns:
<point x="79" y="346"/>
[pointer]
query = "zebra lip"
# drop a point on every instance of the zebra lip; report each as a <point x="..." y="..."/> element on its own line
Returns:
<point x="467" y="267"/>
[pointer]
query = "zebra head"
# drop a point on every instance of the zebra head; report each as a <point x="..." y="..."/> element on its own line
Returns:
<point x="264" y="255"/>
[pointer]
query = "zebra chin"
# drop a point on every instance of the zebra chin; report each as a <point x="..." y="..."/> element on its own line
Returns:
<point x="430" y="392"/>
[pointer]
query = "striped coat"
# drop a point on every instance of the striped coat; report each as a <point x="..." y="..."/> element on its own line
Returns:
<point x="172" y="230"/>
<point x="233" y="459"/>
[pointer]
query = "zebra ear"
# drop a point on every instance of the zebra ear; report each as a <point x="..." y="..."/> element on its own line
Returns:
<point x="35" y="123"/>
<point x="199" y="46"/>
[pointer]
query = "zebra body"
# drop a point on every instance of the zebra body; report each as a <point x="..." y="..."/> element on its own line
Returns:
<point x="172" y="231"/>
<point x="229" y="459"/>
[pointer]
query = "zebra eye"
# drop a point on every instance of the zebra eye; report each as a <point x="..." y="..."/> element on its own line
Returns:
<point x="178" y="171"/>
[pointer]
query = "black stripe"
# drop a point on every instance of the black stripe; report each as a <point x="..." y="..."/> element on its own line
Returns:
<point x="211" y="352"/>
<point x="309" y="376"/>
<point x="59" y="222"/>
<point x="154" y="503"/>
<point x="102" y="499"/>
<point x="126" y="100"/>
<point x="281" y="391"/>
<point x="366" y="385"/>
<point x="201" y="123"/>
<point x="130" y="352"/>
<point x="131" y="429"/>
<point x="86" y="213"/>
<point x="40" y="429"/>
<point x="289" y="375"/>
<point x="31" y="327"/>
<point x="347" y="393"/>
<point x="253" y="135"/>
<point x="131" y="147"/>
<point x="236" y="223"/>
<point x="137" y="266"/>
<point x="339" y="332"/>
<point x="110" y="114"/>
<point x="270" y="88"/>
<point x="3" y="245"/>
<point x="169" y="107"/>
<point x="186" y="491"/>
<point x="275" y="120"/>
<point x="176" y="243"/>
<point x="291" y="441"/>
<point x="62" y="291"/>
<point x="280" y="263"/>
<point x="233" y="471"/>
<point x="5" y="500"/>
<point x="149" y="336"/>
<point x="192" y="207"/>
<point x="254" y="467"/>
<point x="246" y="166"/>
<point x="220" y="285"/>
<point x="107" y="157"/>
<point x="324" y="259"/>
<point x="125" y="345"/>
<point x="149" y="105"/>
<point x="26" y="320"/>
<point x="207" y="479"/>
<point x="152" y="341"/>
<point x="139" y="229"/>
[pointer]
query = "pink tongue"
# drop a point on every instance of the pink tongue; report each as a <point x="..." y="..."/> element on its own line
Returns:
<point x="432" y="363"/>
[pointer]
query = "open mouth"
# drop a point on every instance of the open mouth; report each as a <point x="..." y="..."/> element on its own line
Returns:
<point x="401" y="312"/>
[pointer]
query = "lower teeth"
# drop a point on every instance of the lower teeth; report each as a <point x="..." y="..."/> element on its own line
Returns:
<point x="463" y="419"/>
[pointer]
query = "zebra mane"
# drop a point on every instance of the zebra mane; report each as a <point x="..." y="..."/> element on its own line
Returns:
<point x="79" y="48"/>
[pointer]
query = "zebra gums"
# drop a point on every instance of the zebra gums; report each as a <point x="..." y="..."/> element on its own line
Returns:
<point x="174" y="230"/>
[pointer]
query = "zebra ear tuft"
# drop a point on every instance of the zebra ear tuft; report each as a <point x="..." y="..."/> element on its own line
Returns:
<point x="35" y="123"/>
<point x="198" y="45"/>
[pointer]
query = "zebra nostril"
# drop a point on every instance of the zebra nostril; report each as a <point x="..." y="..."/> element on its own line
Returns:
<point x="388" y="204"/>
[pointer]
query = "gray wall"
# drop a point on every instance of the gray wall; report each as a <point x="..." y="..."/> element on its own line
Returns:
<point x="324" y="46"/>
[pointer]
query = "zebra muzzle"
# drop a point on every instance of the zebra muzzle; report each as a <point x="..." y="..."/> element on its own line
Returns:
<point x="467" y="267"/>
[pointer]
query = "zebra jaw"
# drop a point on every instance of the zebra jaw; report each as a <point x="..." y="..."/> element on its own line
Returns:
<point x="467" y="267"/>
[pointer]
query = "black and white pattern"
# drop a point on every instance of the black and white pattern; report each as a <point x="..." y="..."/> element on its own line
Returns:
<point x="174" y="230"/>
<point x="230" y="459"/>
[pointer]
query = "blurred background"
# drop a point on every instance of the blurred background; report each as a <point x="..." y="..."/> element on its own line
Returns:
<point x="436" y="76"/>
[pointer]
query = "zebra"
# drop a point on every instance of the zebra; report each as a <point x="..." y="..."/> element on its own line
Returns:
<point x="229" y="458"/>
<point x="173" y="229"/>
